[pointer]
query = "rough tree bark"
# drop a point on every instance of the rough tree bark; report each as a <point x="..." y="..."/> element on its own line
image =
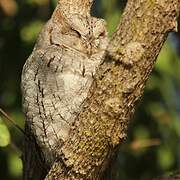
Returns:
<point x="115" y="77"/>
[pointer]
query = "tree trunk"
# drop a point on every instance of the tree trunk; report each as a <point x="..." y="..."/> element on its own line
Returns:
<point x="101" y="120"/>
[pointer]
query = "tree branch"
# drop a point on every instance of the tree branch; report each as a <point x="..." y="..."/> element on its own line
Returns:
<point x="119" y="83"/>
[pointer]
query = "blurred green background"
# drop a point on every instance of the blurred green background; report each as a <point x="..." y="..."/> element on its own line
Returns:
<point x="153" y="144"/>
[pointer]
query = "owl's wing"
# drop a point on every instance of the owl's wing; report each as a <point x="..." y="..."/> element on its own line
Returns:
<point x="54" y="87"/>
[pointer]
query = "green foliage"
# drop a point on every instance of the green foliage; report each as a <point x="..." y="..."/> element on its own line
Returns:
<point x="14" y="165"/>
<point x="152" y="147"/>
<point x="4" y="135"/>
<point x="165" y="157"/>
<point x="29" y="32"/>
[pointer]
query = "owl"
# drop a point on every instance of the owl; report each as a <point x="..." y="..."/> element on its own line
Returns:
<point x="57" y="76"/>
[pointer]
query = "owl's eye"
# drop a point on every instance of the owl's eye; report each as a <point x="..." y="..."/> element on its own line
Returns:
<point x="76" y="32"/>
<point x="79" y="35"/>
<point x="102" y="34"/>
